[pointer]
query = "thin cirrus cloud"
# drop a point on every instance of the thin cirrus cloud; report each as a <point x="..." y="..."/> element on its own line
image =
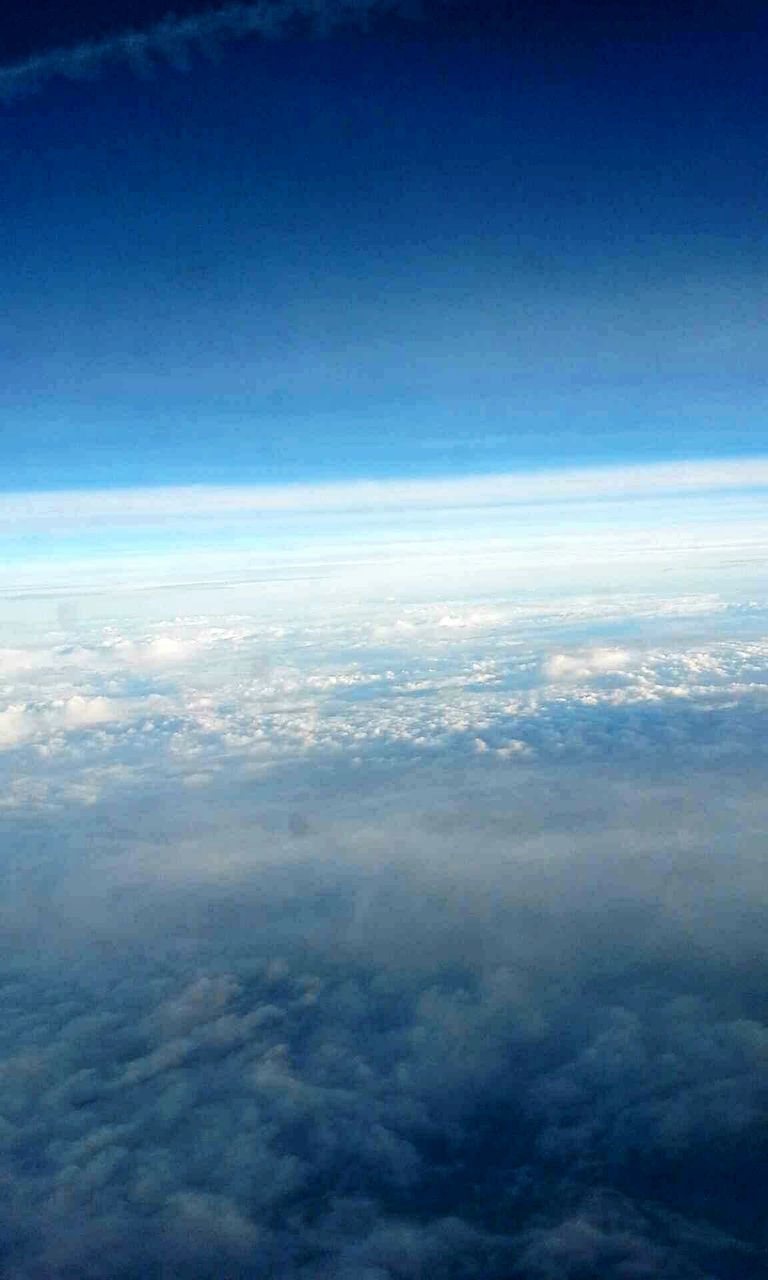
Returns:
<point x="60" y="509"/>
<point x="174" y="39"/>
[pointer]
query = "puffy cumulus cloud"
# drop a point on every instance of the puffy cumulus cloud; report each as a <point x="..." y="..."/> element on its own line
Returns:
<point x="21" y="723"/>
<point x="588" y="663"/>
<point x="16" y="725"/>
<point x="15" y="661"/>
<point x="156" y="650"/>
<point x="80" y="712"/>
<point x="191" y="696"/>
<point x="453" y="1023"/>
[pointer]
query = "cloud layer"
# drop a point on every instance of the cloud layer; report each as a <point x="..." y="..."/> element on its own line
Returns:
<point x="555" y="485"/>
<point x="361" y="1052"/>
<point x="192" y="699"/>
<point x="426" y="940"/>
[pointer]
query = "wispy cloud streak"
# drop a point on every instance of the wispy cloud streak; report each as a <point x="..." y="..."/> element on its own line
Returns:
<point x="174" y="39"/>
<point x="515" y="488"/>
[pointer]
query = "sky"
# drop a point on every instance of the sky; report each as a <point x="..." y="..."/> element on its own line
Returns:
<point x="477" y="241"/>
<point x="383" y="641"/>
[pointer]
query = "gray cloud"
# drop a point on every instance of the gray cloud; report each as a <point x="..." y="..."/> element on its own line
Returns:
<point x="414" y="1039"/>
<point x="174" y="40"/>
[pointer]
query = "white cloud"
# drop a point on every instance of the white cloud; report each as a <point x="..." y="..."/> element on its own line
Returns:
<point x="17" y="724"/>
<point x="470" y="619"/>
<point x="68" y="508"/>
<point x="188" y="698"/>
<point x="15" y="661"/>
<point x="79" y="712"/>
<point x="21" y="723"/>
<point x="156" y="650"/>
<point x="586" y="663"/>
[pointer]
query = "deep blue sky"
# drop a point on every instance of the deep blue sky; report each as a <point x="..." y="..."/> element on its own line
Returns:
<point x="422" y="250"/>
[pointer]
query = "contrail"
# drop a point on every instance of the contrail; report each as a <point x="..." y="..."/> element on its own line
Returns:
<point x="174" y="39"/>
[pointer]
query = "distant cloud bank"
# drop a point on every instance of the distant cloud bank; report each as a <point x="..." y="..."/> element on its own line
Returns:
<point x="571" y="484"/>
<point x="676" y="527"/>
